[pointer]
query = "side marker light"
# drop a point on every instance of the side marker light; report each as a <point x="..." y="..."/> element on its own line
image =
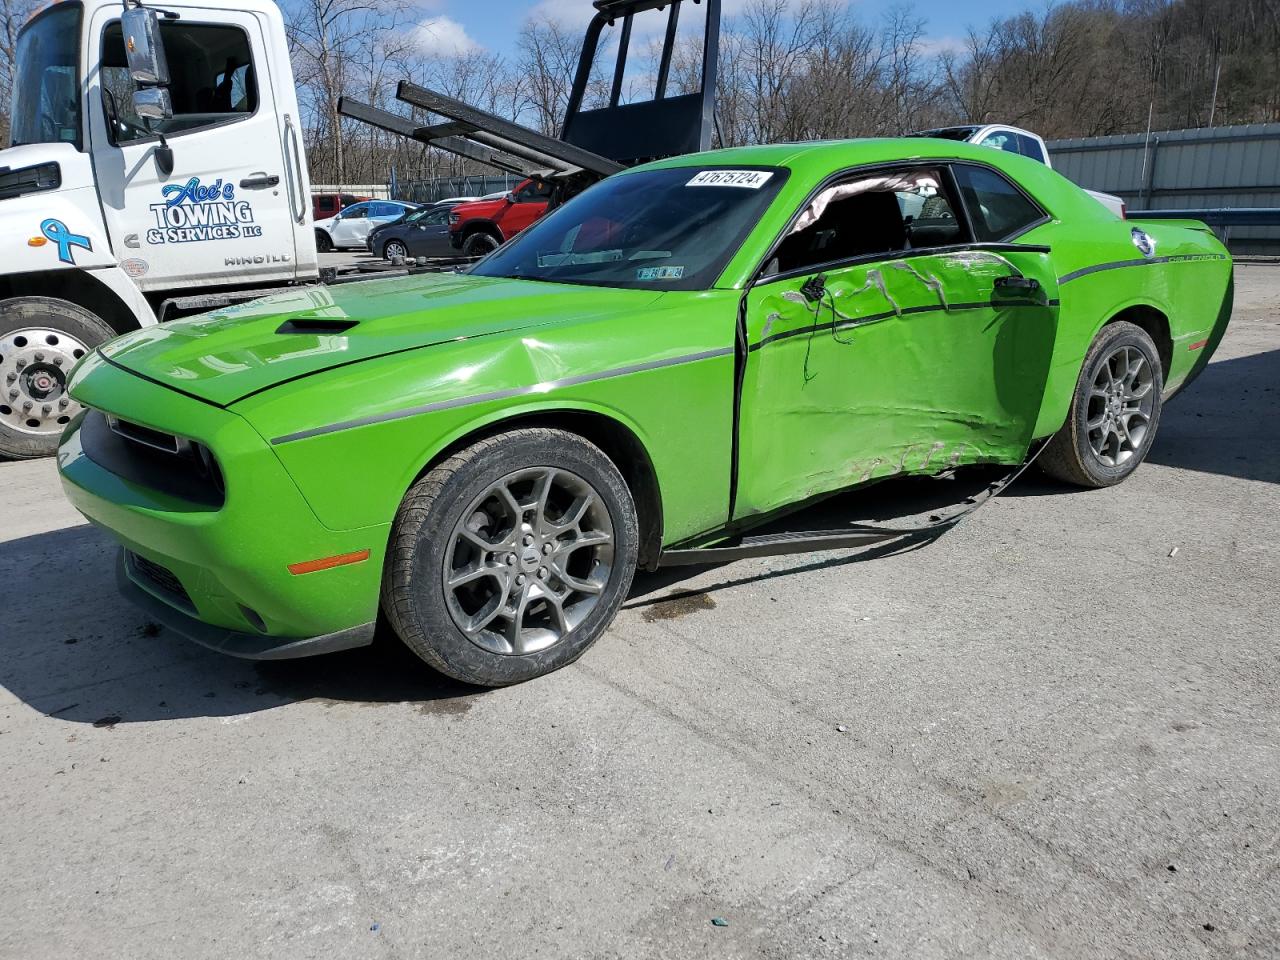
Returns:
<point x="328" y="563"/>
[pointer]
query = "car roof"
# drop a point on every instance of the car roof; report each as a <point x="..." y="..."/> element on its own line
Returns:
<point x="832" y="154"/>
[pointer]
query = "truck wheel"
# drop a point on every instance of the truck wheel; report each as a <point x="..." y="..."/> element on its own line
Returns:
<point x="480" y="244"/>
<point x="1114" y="413"/>
<point x="510" y="558"/>
<point x="324" y="244"/>
<point x="41" y="339"/>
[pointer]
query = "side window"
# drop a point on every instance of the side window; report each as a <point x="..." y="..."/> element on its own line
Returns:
<point x="884" y="213"/>
<point x="997" y="208"/>
<point x="532" y="192"/>
<point x="1030" y="147"/>
<point x="326" y="206"/>
<point x="1004" y="140"/>
<point x="437" y="216"/>
<point x="359" y="212"/>
<point x="212" y="76"/>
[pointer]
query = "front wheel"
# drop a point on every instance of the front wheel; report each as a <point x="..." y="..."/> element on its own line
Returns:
<point x="41" y="339"/>
<point x="1114" y="412"/>
<point x="510" y="558"/>
<point x="324" y="243"/>
<point x="394" y="249"/>
<point x="480" y="245"/>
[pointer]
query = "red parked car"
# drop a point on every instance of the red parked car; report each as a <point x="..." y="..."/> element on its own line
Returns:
<point x="480" y="226"/>
<point x="326" y="205"/>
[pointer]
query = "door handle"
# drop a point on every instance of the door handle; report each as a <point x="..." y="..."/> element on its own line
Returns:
<point x="259" y="180"/>
<point x="1017" y="284"/>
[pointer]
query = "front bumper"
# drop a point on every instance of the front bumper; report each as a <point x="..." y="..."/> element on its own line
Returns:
<point x="225" y="564"/>
<point x="249" y="646"/>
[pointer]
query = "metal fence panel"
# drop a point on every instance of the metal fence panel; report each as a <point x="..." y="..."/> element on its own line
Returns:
<point x="1219" y="167"/>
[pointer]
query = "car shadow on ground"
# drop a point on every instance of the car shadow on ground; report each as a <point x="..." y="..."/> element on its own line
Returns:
<point x="71" y="647"/>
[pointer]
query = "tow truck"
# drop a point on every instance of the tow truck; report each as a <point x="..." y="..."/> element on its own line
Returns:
<point x="157" y="169"/>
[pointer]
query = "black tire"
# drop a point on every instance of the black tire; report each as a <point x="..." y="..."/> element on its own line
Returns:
<point x="324" y="243"/>
<point x="480" y="244"/>
<point x="414" y="595"/>
<point x="394" y="248"/>
<point x="1071" y="455"/>
<point x="67" y="332"/>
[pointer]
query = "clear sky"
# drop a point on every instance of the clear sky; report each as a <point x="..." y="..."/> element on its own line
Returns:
<point x="491" y="24"/>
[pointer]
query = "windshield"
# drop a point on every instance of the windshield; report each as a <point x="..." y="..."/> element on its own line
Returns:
<point x="671" y="229"/>
<point x="46" y="95"/>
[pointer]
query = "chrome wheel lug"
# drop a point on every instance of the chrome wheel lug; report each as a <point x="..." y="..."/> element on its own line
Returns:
<point x="47" y="408"/>
<point x="520" y="580"/>
<point x="542" y="573"/>
<point x="26" y="407"/>
<point x="511" y="559"/>
<point x="62" y="404"/>
<point x="39" y="358"/>
<point x="13" y="394"/>
<point x="57" y="361"/>
<point x="528" y="539"/>
<point x="547" y="548"/>
<point x="21" y="363"/>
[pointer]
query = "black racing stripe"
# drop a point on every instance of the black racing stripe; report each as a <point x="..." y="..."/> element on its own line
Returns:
<point x="1145" y="262"/>
<point x="876" y="317"/>
<point x="507" y="394"/>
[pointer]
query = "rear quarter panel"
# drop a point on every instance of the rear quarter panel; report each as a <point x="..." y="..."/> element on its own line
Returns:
<point x="1102" y="273"/>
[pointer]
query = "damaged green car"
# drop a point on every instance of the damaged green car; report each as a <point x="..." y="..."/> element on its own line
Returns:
<point x="680" y="352"/>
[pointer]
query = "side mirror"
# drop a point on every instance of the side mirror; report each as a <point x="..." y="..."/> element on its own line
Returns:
<point x="509" y="196"/>
<point x="143" y="46"/>
<point x="152" y="103"/>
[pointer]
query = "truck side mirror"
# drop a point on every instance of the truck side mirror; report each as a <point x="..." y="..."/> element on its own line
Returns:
<point x="144" y="47"/>
<point x="152" y="103"/>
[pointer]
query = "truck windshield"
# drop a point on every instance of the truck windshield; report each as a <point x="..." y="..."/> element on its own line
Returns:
<point x="672" y="229"/>
<point x="46" y="94"/>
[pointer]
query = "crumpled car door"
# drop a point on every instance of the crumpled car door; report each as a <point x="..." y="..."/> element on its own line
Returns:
<point x="913" y="364"/>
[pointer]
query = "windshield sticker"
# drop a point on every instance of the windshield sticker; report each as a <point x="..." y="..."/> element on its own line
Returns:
<point x="660" y="273"/>
<point x="194" y="212"/>
<point x="750" y="179"/>
<point x="574" y="259"/>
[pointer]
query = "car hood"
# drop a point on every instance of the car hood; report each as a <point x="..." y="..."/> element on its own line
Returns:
<point x="227" y="355"/>
<point x="478" y="208"/>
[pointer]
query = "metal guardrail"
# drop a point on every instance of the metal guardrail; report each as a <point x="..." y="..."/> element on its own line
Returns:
<point x="1216" y="216"/>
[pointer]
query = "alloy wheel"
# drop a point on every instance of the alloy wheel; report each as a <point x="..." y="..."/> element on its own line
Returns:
<point x="34" y="363"/>
<point x="528" y="561"/>
<point x="1121" y="402"/>
<point x="395" y="250"/>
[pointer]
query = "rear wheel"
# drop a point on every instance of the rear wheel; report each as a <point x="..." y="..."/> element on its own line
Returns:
<point x="394" y="249"/>
<point x="324" y="243"/>
<point x="480" y="244"/>
<point x="1114" y="413"/>
<point x="510" y="558"/>
<point x="41" y="339"/>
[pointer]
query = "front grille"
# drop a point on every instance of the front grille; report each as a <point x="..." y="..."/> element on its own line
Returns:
<point x="171" y="464"/>
<point x="160" y="578"/>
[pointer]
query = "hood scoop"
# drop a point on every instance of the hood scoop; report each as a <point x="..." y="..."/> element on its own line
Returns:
<point x="317" y="325"/>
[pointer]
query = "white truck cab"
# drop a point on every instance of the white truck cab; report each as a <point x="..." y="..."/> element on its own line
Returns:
<point x="151" y="160"/>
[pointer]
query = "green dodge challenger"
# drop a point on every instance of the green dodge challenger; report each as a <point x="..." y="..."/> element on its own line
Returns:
<point x="684" y="350"/>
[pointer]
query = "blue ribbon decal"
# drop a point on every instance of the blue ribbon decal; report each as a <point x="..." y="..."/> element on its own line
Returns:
<point x="57" y="231"/>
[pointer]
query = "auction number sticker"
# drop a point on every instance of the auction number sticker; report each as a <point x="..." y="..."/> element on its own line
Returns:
<point x="750" y="179"/>
<point x="660" y="273"/>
